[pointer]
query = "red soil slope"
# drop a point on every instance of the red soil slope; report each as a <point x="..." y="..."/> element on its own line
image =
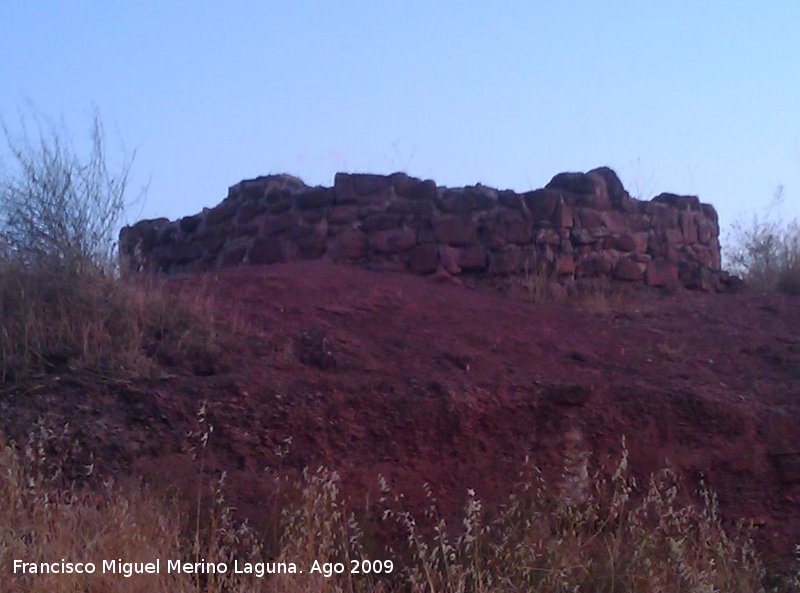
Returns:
<point x="375" y="373"/>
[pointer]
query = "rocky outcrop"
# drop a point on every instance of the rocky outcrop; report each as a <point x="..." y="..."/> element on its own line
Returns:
<point x="580" y="225"/>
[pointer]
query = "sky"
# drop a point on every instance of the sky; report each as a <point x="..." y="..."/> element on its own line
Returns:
<point x="699" y="97"/>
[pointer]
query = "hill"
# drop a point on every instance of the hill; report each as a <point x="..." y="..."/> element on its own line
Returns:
<point x="423" y="381"/>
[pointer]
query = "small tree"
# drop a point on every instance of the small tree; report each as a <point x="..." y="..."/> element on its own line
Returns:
<point x="57" y="207"/>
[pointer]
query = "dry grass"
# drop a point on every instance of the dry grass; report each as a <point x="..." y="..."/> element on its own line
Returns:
<point x="765" y="252"/>
<point x="535" y="285"/>
<point x="61" y="304"/>
<point x="601" y="295"/>
<point x="596" y="535"/>
<point x="595" y="295"/>
<point x="54" y="319"/>
<point x="585" y="533"/>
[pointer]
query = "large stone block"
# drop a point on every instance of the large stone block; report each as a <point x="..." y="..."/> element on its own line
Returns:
<point x="565" y="265"/>
<point x="424" y="259"/>
<point x="511" y="226"/>
<point x="587" y="218"/>
<point x="710" y="213"/>
<point x="362" y="189"/>
<point x="381" y="222"/>
<point x="317" y="197"/>
<point x="678" y="202"/>
<point x="189" y="224"/>
<point x="614" y="221"/>
<point x="455" y="230"/>
<point x="365" y="184"/>
<point x="510" y="199"/>
<point x="616" y="192"/>
<point x="623" y="242"/>
<point x="562" y="217"/>
<point x="506" y="261"/>
<point x="393" y="240"/>
<point x="280" y="223"/>
<point x="266" y="250"/>
<point x="473" y="259"/>
<point x="411" y="208"/>
<point x="343" y="190"/>
<point x="594" y="265"/>
<point x="689" y="227"/>
<point x="343" y="214"/>
<point x="662" y="216"/>
<point x="590" y="187"/>
<point x="403" y="184"/>
<point x="425" y="190"/>
<point x="629" y="270"/>
<point x="542" y="203"/>
<point x="661" y="272"/>
<point x="221" y="214"/>
<point x="349" y="245"/>
<point x="449" y="258"/>
<point x="467" y="199"/>
<point x="232" y="257"/>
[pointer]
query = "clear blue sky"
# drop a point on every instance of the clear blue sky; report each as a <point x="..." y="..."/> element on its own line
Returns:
<point x="698" y="97"/>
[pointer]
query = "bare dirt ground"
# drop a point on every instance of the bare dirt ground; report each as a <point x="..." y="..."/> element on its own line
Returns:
<point x="421" y="381"/>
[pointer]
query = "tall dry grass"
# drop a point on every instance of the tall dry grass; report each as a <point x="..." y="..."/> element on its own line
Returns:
<point x="54" y="319"/>
<point x="584" y="533"/>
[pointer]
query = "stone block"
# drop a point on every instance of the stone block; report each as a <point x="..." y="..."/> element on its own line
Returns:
<point x="565" y="265"/>
<point x="661" y="215"/>
<point x="614" y="221"/>
<point x="266" y="250"/>
<point x="343" y="214"/>
<point x="541" y="203"/>
<point x="511" y="226"/>
<point x="503" y="262"/>
<point x="510" y="199"/>
<point x="232" y="257"/>
<point x="189" y="224"/>
<point x="403" y="184"/>
<point x="473" y="259"/>
<point x="393" y="240"/>
<point x="349" y="245"/>
<point x="455" y="230"/>
<point x="424" y="259"/>
<point x="624" y="242"/>
<point x="689" y="227"/>
<point x="317" y="197"/>
<point x="381" y="222"/>
<point x="562" y="217"/>
<point x="449" y="257"/>
<point x="628" y="270"/>
<point x="425" y="190"/>
<point x="678" y="202"/>
<point x="593" y="266"/>
<point x="280" y="223"/>
<point x="586" y="218"/>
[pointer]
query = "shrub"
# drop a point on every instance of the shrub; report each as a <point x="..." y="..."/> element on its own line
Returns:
<point x="61" y="301"/>
<point x="765" y="251"/>
<point x="57" y="208"/>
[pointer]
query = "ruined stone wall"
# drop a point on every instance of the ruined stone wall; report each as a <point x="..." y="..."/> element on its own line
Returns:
<point x="581" y="225"/>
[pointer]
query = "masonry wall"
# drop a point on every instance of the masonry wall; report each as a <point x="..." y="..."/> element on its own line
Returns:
<point x="581" y="225"/>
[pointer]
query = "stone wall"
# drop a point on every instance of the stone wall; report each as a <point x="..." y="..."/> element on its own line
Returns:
<point x="580" y="225"/>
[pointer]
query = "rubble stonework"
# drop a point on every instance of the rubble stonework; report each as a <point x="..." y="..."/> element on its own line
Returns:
<point x="580" y="225"/>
